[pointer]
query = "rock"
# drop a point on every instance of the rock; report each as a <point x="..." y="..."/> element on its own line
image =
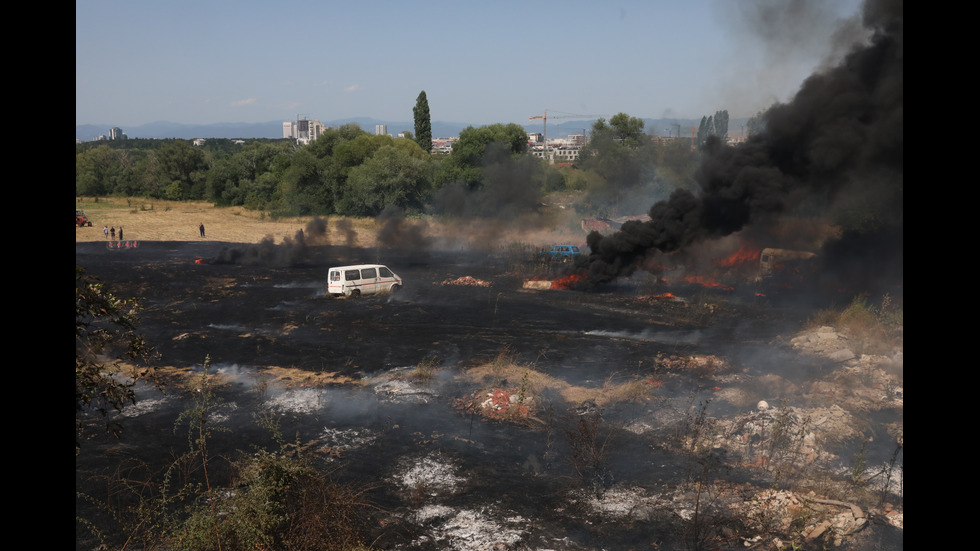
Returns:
<point x="841" y="355"/>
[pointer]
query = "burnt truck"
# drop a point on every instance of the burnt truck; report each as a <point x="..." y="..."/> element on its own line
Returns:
<point x="785" y="266"/>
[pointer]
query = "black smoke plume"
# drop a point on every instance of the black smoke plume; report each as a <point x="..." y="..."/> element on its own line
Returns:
<point x="835" y="151"/>
<point x="399" y="233"/>
<point x="292" y="250"/>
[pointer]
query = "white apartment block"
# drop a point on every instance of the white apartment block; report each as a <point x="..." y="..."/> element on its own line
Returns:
<point x="303" y="131"/>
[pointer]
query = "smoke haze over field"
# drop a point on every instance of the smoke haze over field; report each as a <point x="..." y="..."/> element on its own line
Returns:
<point x="835" y="151"/>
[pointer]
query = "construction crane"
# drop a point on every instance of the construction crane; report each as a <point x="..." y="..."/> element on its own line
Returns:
<point x="545" y="119"/>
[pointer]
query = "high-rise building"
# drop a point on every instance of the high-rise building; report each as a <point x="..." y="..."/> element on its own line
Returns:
<point x="381" y="129"/>
<point x="302" y="130"/>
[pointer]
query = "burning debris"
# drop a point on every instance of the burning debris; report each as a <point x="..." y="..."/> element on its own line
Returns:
<point x="569" y="282"/>
<point x="835" y="148"/>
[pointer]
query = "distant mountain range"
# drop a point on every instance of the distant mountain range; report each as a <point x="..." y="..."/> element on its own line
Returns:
<point x="273" y="129"/>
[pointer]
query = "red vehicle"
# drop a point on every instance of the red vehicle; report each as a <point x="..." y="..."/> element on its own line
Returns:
<point x="80" y="219"/>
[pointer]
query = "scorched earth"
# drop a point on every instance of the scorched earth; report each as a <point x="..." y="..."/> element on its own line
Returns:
<point x="481" y="414"/>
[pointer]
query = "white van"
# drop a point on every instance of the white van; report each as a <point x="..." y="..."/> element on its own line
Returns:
<point x="362" y="279"/>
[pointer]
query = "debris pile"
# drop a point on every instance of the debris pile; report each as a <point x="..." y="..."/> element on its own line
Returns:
<point x="466" y="281"/>
<point x="569" y="282"/>
<point x="824" y="341"/>
<point x="710" y="364"/>
<point x="498" y="404"/>
<point x="807" y="517"/>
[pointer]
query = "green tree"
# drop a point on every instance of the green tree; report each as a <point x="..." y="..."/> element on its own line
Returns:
<point x="629" y="130"/>
<point x="104" y="171"/>
<point x="423" y="122"/>
<point x="721" y="124"/>
<point x="391" y="177"/>
<point x="470" y="152"/>
<point x="110" y="356"/>
<point x="705" y="129"/>
<point x="304" y="189"/>
<point x="177" y="170"/>
<point x="757" y="124"/>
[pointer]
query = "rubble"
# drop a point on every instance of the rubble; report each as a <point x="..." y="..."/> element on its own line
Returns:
<point x="499" y="404"/>
<point x="805" y="516"/>
<point x="466" y="281"/>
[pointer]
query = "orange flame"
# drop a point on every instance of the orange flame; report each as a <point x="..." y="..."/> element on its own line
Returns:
<point x="568" y="282"/>
<point x="745" y="254"/>
<point x="706" y="282"/>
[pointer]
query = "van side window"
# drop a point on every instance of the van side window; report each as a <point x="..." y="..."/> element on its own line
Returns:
<point x="385" y="272"/>
<point x="352" y="275"/>
<point x="335" y="275"/>
<point x="369" y="273"/>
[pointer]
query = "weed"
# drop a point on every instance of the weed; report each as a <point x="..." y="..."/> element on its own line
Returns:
<point x="502" y="362"/>
<point x="276" y="499"/>
<point x="872" y="329"/>
<point x="589" y="443"/>
<point x="889" y="474"/>
<point x="859" y="467"/>
<point x="426" y="369"/>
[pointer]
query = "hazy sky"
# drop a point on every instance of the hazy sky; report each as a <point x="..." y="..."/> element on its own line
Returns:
<point x="200" y="62"/>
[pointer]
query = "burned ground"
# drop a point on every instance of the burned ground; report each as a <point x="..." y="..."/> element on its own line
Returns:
<point x="544" y="419"/>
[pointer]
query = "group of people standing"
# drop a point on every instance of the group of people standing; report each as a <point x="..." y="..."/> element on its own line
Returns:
<point x="110" y="233"/>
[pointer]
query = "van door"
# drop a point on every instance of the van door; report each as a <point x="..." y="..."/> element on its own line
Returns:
<point x="369" y="280"/>
<point x="352" y="280"/>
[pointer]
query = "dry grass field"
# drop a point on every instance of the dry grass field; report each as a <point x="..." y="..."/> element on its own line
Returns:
<point x="157" y="220"/>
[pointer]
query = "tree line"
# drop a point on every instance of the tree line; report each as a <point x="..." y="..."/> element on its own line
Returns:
<point x="350" y="172"/>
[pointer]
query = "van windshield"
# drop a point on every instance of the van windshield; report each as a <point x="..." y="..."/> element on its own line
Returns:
<point x="385" y="272"/>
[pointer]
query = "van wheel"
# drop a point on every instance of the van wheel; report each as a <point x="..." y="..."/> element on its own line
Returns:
<point x="355" y="293"/>
<point x="395" y="288"/>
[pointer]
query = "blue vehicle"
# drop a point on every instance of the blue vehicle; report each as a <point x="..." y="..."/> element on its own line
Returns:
<point x="561" y="252"/>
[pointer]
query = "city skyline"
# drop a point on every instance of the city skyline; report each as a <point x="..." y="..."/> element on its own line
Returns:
<point x="501" y="62"/>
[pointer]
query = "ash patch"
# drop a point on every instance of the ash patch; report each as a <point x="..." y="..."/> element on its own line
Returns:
<point x="146" y="405"/>
<point x="398" y="386"/>
<point x="621" y="502"/>
<point x="470" y="530"/>
<point x="303" y="400"/>
<point x="341" y="440"/>
<point x="431" y="475"/>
